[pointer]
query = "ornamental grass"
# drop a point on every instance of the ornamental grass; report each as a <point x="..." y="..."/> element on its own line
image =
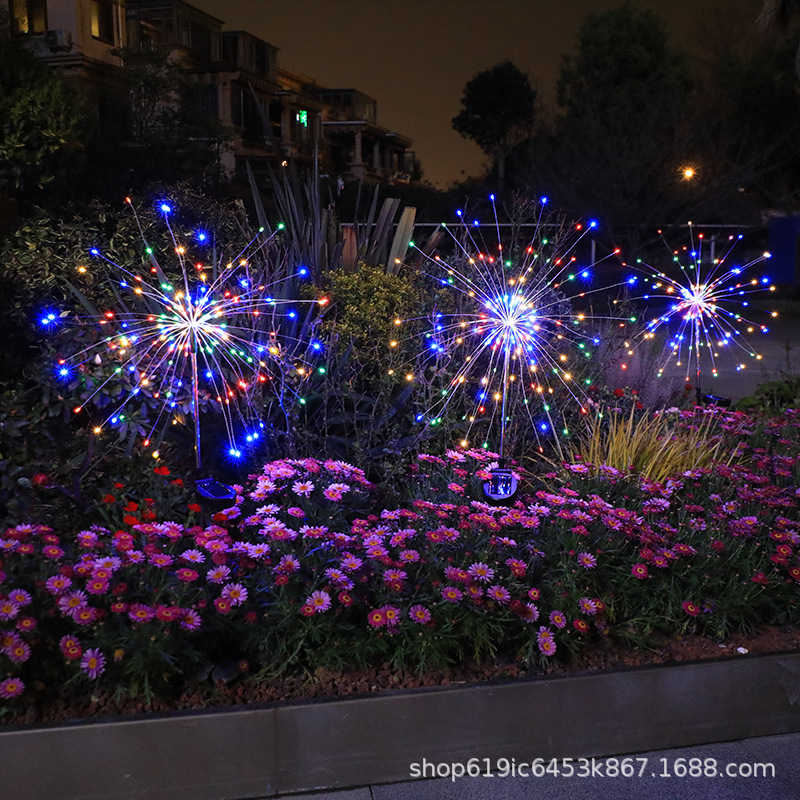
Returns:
<point x="310" y="569"/>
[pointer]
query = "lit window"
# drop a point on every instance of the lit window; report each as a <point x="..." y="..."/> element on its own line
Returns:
<point x="102" y="18"/>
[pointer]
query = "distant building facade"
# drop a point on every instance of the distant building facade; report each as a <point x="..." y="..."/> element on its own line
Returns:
<point x="273" y="114"/>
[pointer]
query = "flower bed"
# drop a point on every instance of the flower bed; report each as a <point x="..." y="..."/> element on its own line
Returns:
<point x="309" y="571"/>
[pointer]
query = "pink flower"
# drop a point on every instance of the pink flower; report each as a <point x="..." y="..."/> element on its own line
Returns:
<point x="295" y="511"/>
<point x="419" y="614"/>
<point x="303" y="488"/>
<point x="139" y="612"/>
<point x="587" y="606"/>
<point x="8" y="609"/>
<point x="376" y="618"/>
<point x="499" y="594"/>
<point x="11" y="687"/>
<point x="190" y="620"/>
<point x="20" y="652"/>
<point x="587" y="560"/>
<point x="93" y="663"/>
<point x="481" y="572"/>
<point x="690" y="608"/>
<point x="557" y="618"/>
<point x="70" y="647"/>
<point x="545" y="641"/>
<point x="58" y="584"/>
<point x="336" y="491"/>
<point x="451" y="594"/>
<point x="234" y="593"/>
<point x="320" y="601"/>
<point x="20" y="597"/>
<point x="288" y="565"/>
<point x="639" y="571"/>
<point x="218" y="574"/>
<point x="392" y="615"/>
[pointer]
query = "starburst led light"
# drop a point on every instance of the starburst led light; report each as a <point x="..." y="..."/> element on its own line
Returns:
<point x="211" y="336"/>
<point x="708" y="299"/>
<point x="514" y="343"/>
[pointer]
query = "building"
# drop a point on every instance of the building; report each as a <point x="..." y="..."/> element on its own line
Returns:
<point x="274" y="115"/>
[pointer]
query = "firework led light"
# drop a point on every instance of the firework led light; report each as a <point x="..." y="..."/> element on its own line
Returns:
<point x="708" y="301"/>
<point x="516" y="335"/>
<point x="211" y="335"/>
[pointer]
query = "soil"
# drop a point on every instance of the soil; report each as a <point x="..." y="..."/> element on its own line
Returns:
<point x="598" y="656"/>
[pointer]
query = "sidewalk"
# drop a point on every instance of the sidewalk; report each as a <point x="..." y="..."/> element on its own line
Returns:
<point x="747" y="756"/>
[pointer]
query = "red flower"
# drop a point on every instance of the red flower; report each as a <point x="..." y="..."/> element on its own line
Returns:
<point x="690" y="608"/>
<point x="580" y="625"/>
<point x="109" y="498"/>
<point x="131" y="506"/>
<point x="761" y="578"/>
<point x="195" y="507"/>
<point x="40" y="479"/>
<point x="129" y="520"/>
<point x="161" y="471"/>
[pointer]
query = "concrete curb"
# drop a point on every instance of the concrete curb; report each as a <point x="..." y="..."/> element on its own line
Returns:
<point x="264" y="751"/>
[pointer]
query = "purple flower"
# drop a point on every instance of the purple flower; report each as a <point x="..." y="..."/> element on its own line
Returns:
<point x="481" y="572"/>
<point x="11" y="687"/>
<point x="93" y="663"/>
<point x="587" y="560"/>
<point x="320" y="601"/>
<point x="557" y="618"/>
<point x="419" y="614"/>
<point x="499" y="594"/>
<point x="545" y="641"/>
<point x="234" y="593"/>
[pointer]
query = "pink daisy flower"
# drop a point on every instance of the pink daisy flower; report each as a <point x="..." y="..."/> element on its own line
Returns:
<point x="218" y="574"/>
<point x="451" y="594"/>
<point x="587" y="560"/>
<point x="545" y="641"/>
<point x="377" y="618"/>
<point x="419" y="614"/>
<point x="20" y="597"/>
<point x="499" y="594"/>
<point x="93" y="663"/>
<point x="320" y="601"/>
<point x="587" y="606"/>
<point x="58" y="584"/>
<point x="303" y="488"/>
<point x="20" y="652"/>
<point x="8" y="609"/>
<point x="139" y="612"/>
<point x="190" y="620"/>
<point x="557" y="618"/>
<point x="336" y="491"/>
<point x="481" y="572"/>
<point x="235" y="593"/>
<point x="392" y="615"/>
<point x="11" y="687"/>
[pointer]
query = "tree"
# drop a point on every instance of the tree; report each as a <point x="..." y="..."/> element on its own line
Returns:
<point x="157" y="126"/>
<point x="42" y="122"/>
<point x="624" y="127"/>
<point x="777" y="15"/>
<point x="498" y="109"/>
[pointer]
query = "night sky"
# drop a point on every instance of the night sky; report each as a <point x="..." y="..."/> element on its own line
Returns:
<point x="415" y="56"/>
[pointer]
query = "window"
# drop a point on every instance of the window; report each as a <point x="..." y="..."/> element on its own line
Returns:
<point x="29" y="16"/>
<point x="102" y="17"/>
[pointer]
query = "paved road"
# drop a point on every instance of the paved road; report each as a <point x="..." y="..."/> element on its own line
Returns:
<point x="746" y="757"/>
